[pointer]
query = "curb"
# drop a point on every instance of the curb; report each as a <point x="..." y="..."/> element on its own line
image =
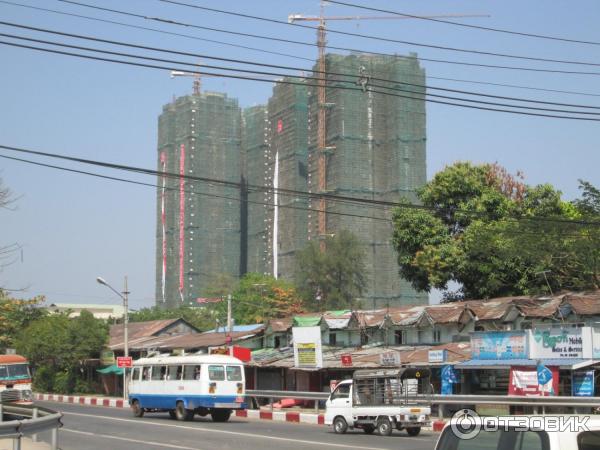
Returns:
<point x="275" y="415"/>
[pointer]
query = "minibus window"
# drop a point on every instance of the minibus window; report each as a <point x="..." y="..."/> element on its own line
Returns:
<point x="234" y="373"/>
<point x="135" y="375"/>
<point x="158" y="372"/>
<point x="174" y="373"/>
<point x="146" y="373"/>
<point x="191" y="372"/>
<point x="216" y="373"/>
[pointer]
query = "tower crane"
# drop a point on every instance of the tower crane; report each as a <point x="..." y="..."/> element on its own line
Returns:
<point x="322" y="147"/>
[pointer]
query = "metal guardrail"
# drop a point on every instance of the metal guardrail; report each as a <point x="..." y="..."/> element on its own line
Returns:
<point x="36" y="419"/>
<point x="436" y="399"/>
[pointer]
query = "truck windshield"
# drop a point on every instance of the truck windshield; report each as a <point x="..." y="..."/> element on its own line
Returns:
<point x="14" y="371"/>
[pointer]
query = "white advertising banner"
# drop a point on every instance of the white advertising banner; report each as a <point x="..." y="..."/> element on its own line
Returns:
<point x="560" y="342"/>
<point x="308" y="351"/>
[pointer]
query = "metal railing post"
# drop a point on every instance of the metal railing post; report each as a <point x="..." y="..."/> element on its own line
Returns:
<point x="54" y="439"/>
<point x="17" y="443"/>
<point x="1" y="412"/>
<point x="34" y="416"/>
<point x="272" y="400"/>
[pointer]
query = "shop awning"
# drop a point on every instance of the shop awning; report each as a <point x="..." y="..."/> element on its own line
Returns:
<point x="563" y="363"/>
<point x="111" y="369"/>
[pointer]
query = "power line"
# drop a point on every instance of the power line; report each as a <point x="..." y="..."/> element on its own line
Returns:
<point x="465" y="25"/>
<point x="239" y="185"/>
<point x="312" y="44"/>
<point x="239" y="77"/>
<point x="377" y="38"/>
<point x="129" y="55"/>
<point x="155" y="30"/>
<point x="285" y="67"/>
<point x="193" y="192"/>
<point x="262" y="50"/>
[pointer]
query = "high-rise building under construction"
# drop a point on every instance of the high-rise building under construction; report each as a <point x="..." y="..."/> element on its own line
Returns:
<point x="373" y="145"/>
<point x="373" y="148"/>
<point x="198" y="220"/>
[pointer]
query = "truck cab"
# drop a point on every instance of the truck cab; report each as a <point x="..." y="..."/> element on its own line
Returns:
<point x="381" y="400"/>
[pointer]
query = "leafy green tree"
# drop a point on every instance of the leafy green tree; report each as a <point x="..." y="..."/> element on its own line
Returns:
<point x="57" y="347"/>
<point x="335" y="278"/>
<point x="15" y="315"/>
<point x="261" y="297"/>
<point x="493" y="235"/>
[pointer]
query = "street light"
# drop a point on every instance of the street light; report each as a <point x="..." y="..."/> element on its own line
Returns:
<point x="123" y="296"/>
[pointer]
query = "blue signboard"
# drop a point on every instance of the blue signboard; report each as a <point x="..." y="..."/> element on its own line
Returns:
<point x="499" y="345"/>
<point x="449" y="377"/>
<point x="582" y="384"/>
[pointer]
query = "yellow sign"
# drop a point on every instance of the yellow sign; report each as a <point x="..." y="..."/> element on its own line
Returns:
<point x="107" y="358"/>
<point x="307" y="354"/>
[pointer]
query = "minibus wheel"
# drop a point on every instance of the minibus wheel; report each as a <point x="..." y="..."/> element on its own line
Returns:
<point x="183" y="414"/>
<point x="138" y="411"/>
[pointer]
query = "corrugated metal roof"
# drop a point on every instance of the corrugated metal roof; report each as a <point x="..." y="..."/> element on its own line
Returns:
<point x="407" y="315"/>
<point x="448" y="313"/>
<point x="279" y="325"/>
<point x="585" y="303"/>
<point x="138" y="330"/>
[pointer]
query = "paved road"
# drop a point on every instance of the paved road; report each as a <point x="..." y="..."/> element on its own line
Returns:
<point x="97" y="428"/>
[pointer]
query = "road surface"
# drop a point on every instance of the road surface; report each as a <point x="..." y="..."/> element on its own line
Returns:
<point x="98" y="428"/>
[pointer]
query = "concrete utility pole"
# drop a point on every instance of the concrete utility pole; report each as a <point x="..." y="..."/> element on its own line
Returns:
<point x="228" y="340"/>
<point x="125" y="297"/>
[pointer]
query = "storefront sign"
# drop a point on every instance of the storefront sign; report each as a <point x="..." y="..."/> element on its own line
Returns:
<point x="107" y="358"/>
<point x="389" y="359"/>
<point x="524" y="381"/>
<point x="346" y="360"/>
<point x="499" y="345"/>
<point x="562" y="342"/>
<point x="437" y="356"/>
<point x="582" y="384"/>
<point x="307" y="347"/>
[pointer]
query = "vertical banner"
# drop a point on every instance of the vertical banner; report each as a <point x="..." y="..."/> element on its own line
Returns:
<point x="582" y="383"/>
<point x="308" y="352"/>
<point x="163" y="221"/>
<point x="449" y="377"/>
<point x="524" y="381"/>
<point x="181" y="218"/>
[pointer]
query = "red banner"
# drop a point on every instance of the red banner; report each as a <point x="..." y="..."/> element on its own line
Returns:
<point x="181" y="216"/>
<point x="524" y="381"/>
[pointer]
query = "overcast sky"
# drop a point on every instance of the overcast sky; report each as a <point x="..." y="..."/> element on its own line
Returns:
<point x="73" y="227"/>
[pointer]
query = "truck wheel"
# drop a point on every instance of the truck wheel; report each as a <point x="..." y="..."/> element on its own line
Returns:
<point x="368" y="429"/>
<point x="384" y="427"/>
<point x="137" y="410"/>
<point x="413" y="431"/>
<point x="340" y="426"/>
<point x="183" y="414"/>
<point x="220" y="415"/>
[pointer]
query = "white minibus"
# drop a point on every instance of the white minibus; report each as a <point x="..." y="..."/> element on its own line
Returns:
<point x="188" y="385"/>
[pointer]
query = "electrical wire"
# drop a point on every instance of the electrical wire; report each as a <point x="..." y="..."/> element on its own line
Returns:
<point x="279" y="74"/>
<point x="312" y="44"/>
<point x="239" y="77"/>
<point x="285" y="67"/>
<point x="466" y="25"/>
<point x="239" y="185"/>
<point x="288" y="55"/>
<point x="367" y="36"/>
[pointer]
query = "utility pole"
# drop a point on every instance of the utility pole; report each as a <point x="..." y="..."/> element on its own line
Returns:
<point x="125" y="334"/>
<point x="228" y="339"/>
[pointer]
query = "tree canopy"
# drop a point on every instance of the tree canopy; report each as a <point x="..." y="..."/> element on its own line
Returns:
<point x="494" y="235"/>
<point x="335" y="278"/>
<point x="15" y="315"/>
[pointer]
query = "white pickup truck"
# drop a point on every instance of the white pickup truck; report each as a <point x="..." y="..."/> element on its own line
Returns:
<point x="381" y="399"/>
